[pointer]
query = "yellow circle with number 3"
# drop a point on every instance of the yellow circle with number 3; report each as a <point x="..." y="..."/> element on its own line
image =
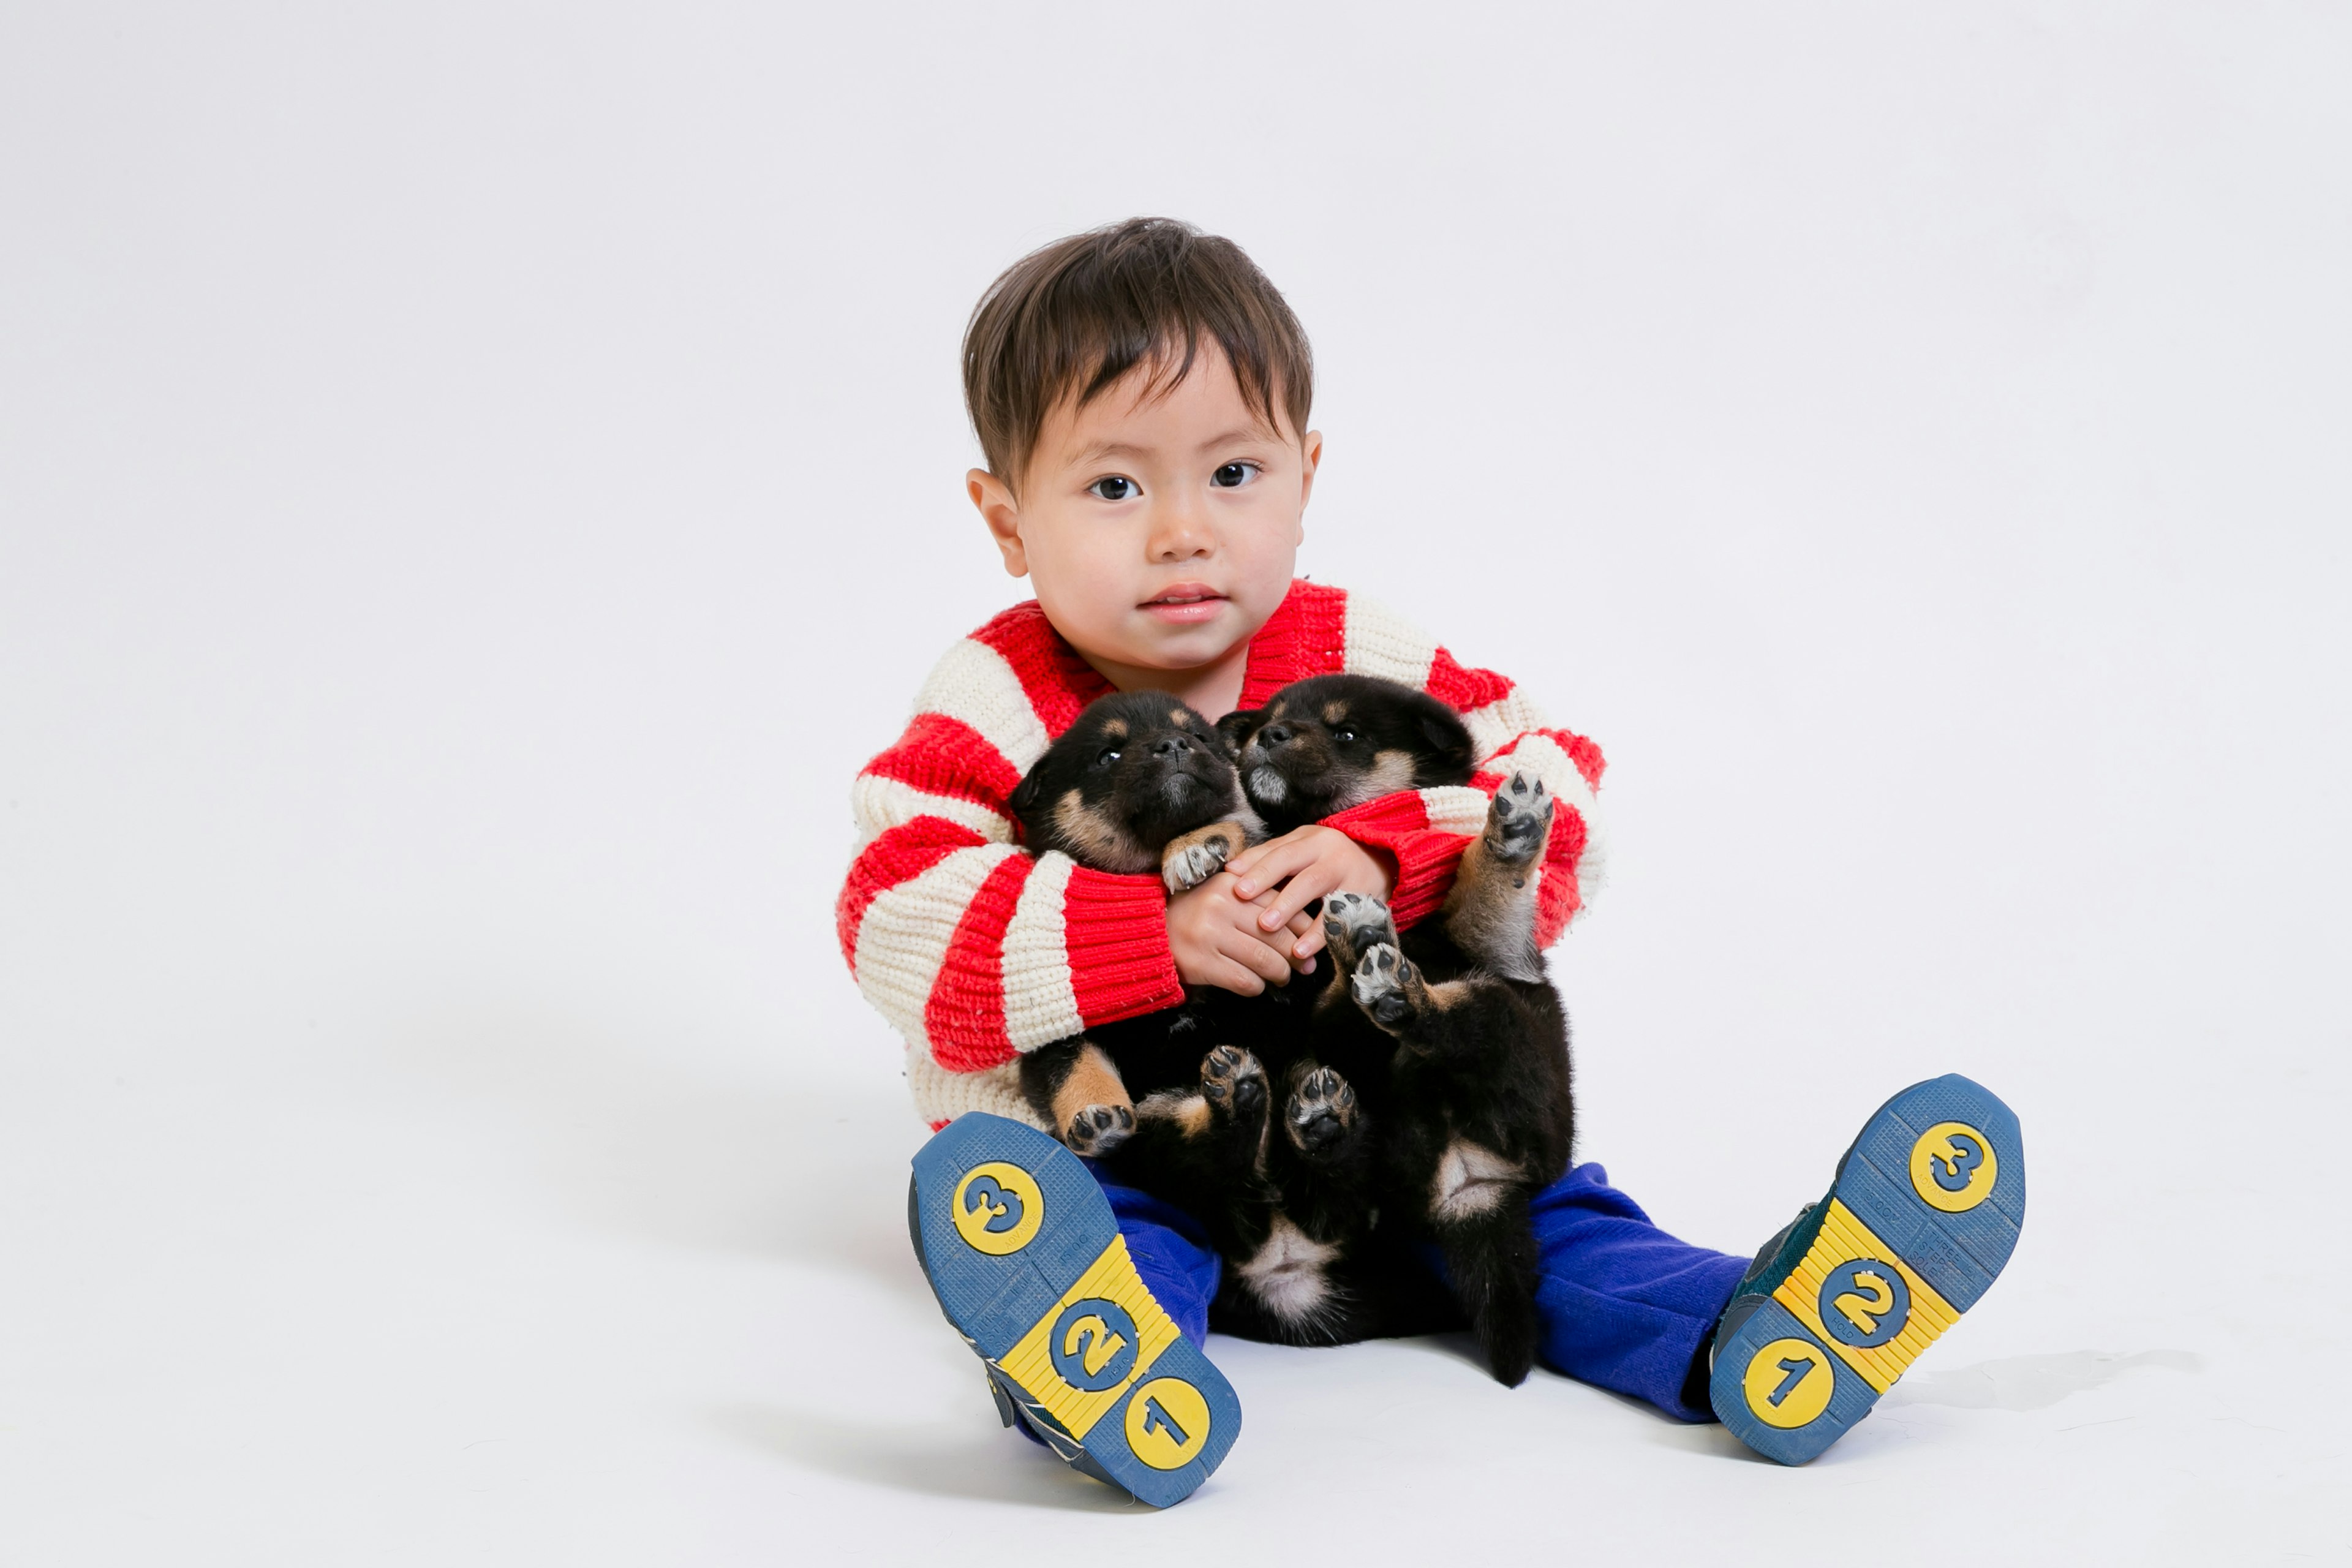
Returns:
<point x="1167" y="1423"/>
<point x="1789" y="1382"/>
<point x="997" y="1207"/>
<point x="1953" y="1167"/>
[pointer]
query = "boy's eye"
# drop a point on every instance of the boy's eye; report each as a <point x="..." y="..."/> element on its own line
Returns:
<point x="1116" y="488"/>
<point x="1232" y="475"/>
<point x="1110" y="755"/>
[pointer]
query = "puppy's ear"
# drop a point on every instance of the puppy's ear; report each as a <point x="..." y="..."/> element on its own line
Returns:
<point x="1447" y="734"/>
<point x="1237" y="728"/>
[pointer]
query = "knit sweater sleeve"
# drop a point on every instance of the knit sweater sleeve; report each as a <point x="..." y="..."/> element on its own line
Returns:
<point x="1427" y="829"/>
<point x="972" y="948"/>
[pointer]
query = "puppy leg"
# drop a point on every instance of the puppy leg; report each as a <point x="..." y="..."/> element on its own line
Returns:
<point x="1394" y="993"/>
<point x="1352" y="924"/>
<point x="1491" y="912"/>
<point x="1192" y="859"/>
<point x="1491" y="1258"/>
<point x="1073" y="1085"/>
<point x="1234" y="1084"/>
<point x="1321" y="1114"/>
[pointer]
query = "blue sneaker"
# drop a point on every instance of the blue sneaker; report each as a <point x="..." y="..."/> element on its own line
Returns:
<point x="1924" y="1214"/>
<point x="1021" y="1251"/>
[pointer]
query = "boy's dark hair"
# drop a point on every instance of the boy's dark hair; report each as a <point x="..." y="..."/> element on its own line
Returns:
<point x="1071" y="318"/>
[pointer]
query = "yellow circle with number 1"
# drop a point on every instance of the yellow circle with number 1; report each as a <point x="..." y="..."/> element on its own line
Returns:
<point x="1953" y="1167"/>
<point x="997" y="1207"/>
<point x="1167" y="1423"/>
<point x="1789" y="1382"/>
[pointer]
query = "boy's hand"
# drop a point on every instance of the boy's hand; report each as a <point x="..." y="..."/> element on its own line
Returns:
<point x="1218" y="938"/>
<point x="1306" y="863"/>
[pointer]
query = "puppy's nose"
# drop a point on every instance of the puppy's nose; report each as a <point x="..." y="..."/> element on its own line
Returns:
<point x="1274" y="735"/>
<point x="1172" y="745"/>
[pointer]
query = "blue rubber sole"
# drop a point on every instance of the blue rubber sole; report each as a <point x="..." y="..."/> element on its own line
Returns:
<point x="1924" y="1214"/>
<point x="1028" y="1264"/>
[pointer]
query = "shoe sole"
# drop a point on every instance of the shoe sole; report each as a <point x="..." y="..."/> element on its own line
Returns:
<point x="1028" y="1264"/>
<point x="1924" y="1214"/>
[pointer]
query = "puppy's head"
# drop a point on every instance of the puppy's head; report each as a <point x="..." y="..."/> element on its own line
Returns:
<point x="1137" y="769"/>
<point x="1324" y="745"/>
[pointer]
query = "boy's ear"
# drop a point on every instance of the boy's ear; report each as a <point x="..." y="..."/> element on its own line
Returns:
<point x="1236" y="727"/>
<point x="1002" y="513"/>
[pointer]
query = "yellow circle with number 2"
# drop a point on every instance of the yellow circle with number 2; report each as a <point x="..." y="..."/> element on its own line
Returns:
<point x="1789" y="1382"/>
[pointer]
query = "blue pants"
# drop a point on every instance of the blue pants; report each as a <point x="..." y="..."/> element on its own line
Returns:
<point x="1624" y="1306"/>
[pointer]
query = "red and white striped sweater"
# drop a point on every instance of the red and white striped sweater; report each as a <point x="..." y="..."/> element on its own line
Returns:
<point x="976" y="951"/>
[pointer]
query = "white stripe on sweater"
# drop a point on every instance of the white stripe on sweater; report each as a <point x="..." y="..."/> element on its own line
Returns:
<point x="879" y="804"/>
<point x="973" y="682"/>
<point x="942" y="1096"/>
<point x="1041" y="1002"/>
<point x="904" y="937"/>
<point x="1381" y="642"/>
<point x="1498" y="724"/>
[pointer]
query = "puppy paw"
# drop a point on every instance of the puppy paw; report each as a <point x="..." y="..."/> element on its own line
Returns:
<point x="1353" y="923"/>
<point x="1099" y="1128"/>
<point x="1519" y="819"/>
<point x="1322" y="1109"/>
<point x="1188" y="868"/>
<point x="1233" y="1081"/>
<point x="1386" y="985"/>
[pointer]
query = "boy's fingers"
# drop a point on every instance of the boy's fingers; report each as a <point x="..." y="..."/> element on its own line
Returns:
<point x="1270" y="963"/>
<point x="1309" y="935"/>
<point x="1262" y="868"/>
<point x="1226" y="975"/>
<point x="1295" y="895"/>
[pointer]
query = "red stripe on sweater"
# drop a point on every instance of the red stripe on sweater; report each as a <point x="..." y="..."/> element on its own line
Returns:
<point x="1056" y="680"/>
<point x="1117" y="927"/>
<point x="1560" y="893"/>
<point x="1586" y="755"/>
<point x="964" y="1016"/>
<point x="1307" y="635"/>
<point x="898" y="855"/>
<point x="1454" y="682"/>
<point x="941" y="755"/>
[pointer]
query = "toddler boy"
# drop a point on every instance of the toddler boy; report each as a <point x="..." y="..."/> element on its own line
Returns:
<point x="1141" y="394"/>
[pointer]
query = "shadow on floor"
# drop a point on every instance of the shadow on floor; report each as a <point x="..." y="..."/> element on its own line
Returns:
<point x="992" y="1466"/>
<point x="2032" y="1382"/>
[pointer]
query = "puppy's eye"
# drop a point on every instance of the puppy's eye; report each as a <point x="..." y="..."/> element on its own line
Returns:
<point x="1345" y="734"/>
<point x="1232" y="476"/>
<point x="1109" y="755"/>
<point x="1118" y="486"/>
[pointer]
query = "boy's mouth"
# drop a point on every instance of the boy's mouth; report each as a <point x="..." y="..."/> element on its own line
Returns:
<point x="1183" y="603"/>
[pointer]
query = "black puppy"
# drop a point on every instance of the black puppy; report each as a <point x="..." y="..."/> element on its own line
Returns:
<point x="1139" y="783"/>
<point x="1270" y="1150"/>
<point x="1476" y="1108"/>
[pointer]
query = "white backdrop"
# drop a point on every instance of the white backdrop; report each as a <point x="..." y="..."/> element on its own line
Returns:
<point x="475" y="481"/>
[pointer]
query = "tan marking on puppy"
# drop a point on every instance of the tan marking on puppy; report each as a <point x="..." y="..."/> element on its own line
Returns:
<point x="1490" y="912"/>
<point x="1188" y="1112"/>
<point x="1113" y="729"/>
<point x="1471" y="1179"/>
<point x="1192" y="859"/>
<point x="1335" y="713"/>
<point x="1102" y="843"/>
<point x="1390" y="771"/>
<point x="1092" y="1081"/>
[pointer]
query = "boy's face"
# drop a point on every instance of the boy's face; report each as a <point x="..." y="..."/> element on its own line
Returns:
<point x="1158" y="532"/>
